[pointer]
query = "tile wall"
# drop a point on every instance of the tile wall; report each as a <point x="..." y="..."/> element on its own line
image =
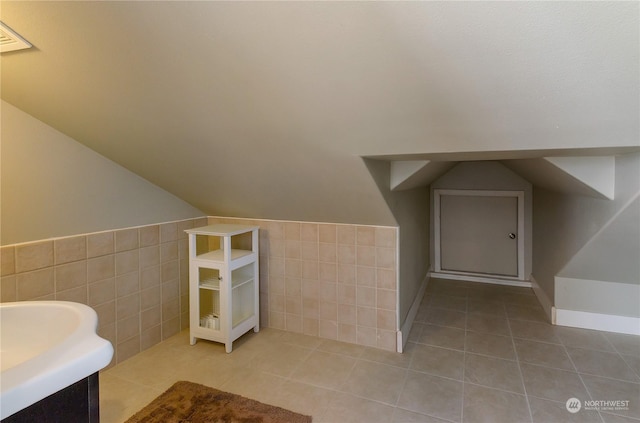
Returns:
<point x="334" y="281"/>
<point x="136" y="279"/>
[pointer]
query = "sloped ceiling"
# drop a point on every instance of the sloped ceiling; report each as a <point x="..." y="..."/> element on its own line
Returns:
<point x="265" y="109"/>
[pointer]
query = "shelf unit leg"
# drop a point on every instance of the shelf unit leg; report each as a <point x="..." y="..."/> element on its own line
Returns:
<point x="256" y="329"/>
<point x="228" y="346"/>
<point x="192" y="340"/>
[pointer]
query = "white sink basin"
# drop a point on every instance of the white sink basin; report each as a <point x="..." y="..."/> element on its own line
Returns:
<point x="46" y="346"/>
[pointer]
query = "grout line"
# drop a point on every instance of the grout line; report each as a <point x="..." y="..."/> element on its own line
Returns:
<point x="575" y="368"/>
<point x="464" y="356"/>
<point x="524" y="386"/>
<point x="497" y="389"/>
<point x="637" y="372"/>
<point x="404" y="384"/>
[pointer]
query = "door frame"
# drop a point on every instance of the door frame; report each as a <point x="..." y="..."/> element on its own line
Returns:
<point x="437" y="193"/>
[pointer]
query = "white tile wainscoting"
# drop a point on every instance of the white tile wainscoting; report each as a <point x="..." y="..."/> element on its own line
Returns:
<point x="333" y="281"/>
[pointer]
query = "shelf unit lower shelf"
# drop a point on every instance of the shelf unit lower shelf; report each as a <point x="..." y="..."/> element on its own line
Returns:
<point x="219" y="335"/>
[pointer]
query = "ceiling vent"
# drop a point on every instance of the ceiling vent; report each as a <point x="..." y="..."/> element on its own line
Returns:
<point x="10" y="40"/>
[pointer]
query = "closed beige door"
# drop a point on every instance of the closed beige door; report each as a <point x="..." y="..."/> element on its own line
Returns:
<point x="478" y="234"/>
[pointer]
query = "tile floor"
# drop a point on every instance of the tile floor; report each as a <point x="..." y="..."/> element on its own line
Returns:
<point x="477" y="353"/>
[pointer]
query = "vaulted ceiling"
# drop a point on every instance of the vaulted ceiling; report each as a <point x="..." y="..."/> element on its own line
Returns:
<point x="266" y="109"/>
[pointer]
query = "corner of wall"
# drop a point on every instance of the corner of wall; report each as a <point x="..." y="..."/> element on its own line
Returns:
<point x="543" y="299"/>
<point x="407" y="324"/>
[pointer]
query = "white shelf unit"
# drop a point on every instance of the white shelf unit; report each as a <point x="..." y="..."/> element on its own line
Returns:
<point x="223" y="282"/>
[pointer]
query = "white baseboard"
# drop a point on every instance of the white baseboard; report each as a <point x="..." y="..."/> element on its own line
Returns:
<point x="544" y="301"/>
<point x="403" y="333"/>
<point x="598" y="321"/>
<point x="481" y="279"/>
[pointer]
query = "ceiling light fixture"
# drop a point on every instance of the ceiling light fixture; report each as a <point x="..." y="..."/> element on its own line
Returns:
<point x="10" y="40"/>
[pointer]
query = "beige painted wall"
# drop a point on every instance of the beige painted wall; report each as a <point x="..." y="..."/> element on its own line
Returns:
<point x="563" y="223"/>
<point x="611" y="255"/>
<point x="54" y="186"/>
<point x="411" y="210"/>
<point x="296" y="92"/>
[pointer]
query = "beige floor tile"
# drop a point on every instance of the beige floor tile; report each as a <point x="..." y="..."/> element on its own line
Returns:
<point x="432" y="395"/>
<point x="405" y="416"/>
<point x="280" y="359"/>
<point x="624" y="344"/>
<point x="324" y="369"/>
<point x="302" y="398"/>
<point x="441" y="336"/>
<point x="255" y="340"/>
<point x="493" y="372"/>
<point x="494" y="325"/>
<point x="209" y="372"/>
<point x="152" y="368"/>
<point x="340" y="382"/>
<point x="613" y="418"/>
<point x="345" y="408"/>
<point x="494" y="308"/>
<point x="451" y="318"/>
<point x="438" y="361"/>
<point x="583" y="338"/>
<point x="534" y="331"/>
<point x="375" y="381"/>
<point x="300" y="340"/>
<point x="448" y="302"/>
<point x="120" y="398"/>
<point x="543" y="354"/>
<point x="416" y="331"/>
<point x="492" y="345"/>
<point x="520" y="290"/>
<point x="423" y="314"/>
<point x="482" y="404"/>
<point x="601" y="363"/>
<point x="633" y="362"/>
<point x="552" y="384"/>
<point x="448" y="287"/>
<point x="344" y="348"/>
<point x="453" y="291"/>
<point x="521" y="299"/>
<point x="533" y="313"/>
<point x="387" y="357"/>
<point x="254" y="384"/>
<point x="485" y="293"/>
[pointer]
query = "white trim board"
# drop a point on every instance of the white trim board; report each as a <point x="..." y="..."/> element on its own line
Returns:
<point x="600" y="297"/>
<point x="480" y="278"/>
<point x="598" y="321"/>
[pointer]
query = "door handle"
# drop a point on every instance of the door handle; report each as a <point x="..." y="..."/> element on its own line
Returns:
<point x="512" y="235"/>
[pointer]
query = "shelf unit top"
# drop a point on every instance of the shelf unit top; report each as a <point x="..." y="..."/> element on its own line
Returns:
<point x="222" y="229"/>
